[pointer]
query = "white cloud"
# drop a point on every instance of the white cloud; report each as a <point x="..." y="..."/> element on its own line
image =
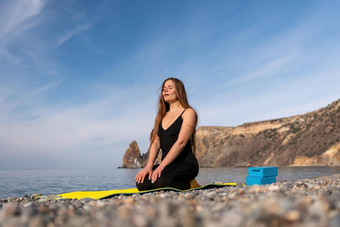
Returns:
<point x="15" y="16"/>
<point x="68" y="35"/>
<point x="22" y="51"/>
<point x="100" y="126"/>
<point x="266" y="69"/>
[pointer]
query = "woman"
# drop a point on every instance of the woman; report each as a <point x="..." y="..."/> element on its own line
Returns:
<point x="174" y="133"/>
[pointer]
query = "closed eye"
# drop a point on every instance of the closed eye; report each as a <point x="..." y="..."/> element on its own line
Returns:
<point x="170" y="87"/>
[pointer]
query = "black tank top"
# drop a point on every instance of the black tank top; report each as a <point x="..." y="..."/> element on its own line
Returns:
<point x="169" y="136"/>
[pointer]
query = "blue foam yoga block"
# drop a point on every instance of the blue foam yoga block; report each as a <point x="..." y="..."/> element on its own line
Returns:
<point x="260" y="180"/>
<point x="267" y="171"/>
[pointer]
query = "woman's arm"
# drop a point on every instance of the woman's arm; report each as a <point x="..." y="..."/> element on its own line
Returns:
<point x="188" y="127"/>
<point x="153" y="152"/>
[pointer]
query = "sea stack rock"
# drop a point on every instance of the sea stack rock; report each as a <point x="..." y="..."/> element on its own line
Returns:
<point x="132" y="157"/>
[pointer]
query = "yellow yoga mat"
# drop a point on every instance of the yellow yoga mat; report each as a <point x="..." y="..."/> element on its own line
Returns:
<point x="129" y="191"/>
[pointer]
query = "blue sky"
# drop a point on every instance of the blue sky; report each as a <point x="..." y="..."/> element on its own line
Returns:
<point x="79" y="79"/>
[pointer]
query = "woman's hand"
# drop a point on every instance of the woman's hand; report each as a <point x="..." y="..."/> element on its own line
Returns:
<point x="141" y="175"/>
<point x="156" y="173"/>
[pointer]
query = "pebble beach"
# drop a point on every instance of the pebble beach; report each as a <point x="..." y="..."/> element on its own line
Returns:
<point x="303" y="202"/>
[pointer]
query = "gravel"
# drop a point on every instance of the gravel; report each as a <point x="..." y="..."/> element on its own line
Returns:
<point x="303" y="202"/>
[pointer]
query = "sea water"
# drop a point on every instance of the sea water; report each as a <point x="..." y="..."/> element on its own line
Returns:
<point x="17" y="183"/>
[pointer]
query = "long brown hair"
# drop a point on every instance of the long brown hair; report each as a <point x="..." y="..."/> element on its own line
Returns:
<point x="164" y="107"/>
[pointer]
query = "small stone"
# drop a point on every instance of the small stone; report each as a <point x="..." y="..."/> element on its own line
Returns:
<point x="255" y="188"/>
<point x="140" y="220"/>
<point x="218" y="207"/>
<point x="44" y="208"/>
<point x="129" y="200"/>
<point x="86" y="200"/>
<point x="186" y="217"/>
<point x="273" y="188"/>
<point x="335" y="221"/>
<point x="101" y="203"/>
<point x="29" y="212"/>
<point x="241" y="191"/>
<point x="125" y="211"/>
<point x="163" y="196"/>
<point x="211" y="195"/>
<point x="11" y="209"/>
<point x="92" y="203"/>
<point x="71" y="210"/>
<point x="148" y="210"/>
<point x="233" y="218"/>
<point x="36" y="221"/>
<point x="300" y="184"/>
<point x="13" y="222"/>
<point x="316" y="210"/>
<point x="303" y="204"/>
<point x="329" y="190"/>
<point x="29" y="204"/>
<point x="188" y="196"/>
<point x="77" y="204"/>
<point x="293" y="216"/>
<point x="232" y="195"/>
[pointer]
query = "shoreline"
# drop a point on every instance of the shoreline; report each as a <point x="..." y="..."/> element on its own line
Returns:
<point x="301" y="202"/>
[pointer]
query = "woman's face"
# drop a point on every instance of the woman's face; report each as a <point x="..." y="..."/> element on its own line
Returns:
<point x="169" y="91"/>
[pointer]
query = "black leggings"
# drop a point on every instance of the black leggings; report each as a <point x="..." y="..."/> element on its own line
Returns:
<point x="175" y="175"/>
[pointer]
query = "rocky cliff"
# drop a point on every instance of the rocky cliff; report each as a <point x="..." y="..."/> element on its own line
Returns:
<point x="309" y="139"/>
<point x="132" y="157"/>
